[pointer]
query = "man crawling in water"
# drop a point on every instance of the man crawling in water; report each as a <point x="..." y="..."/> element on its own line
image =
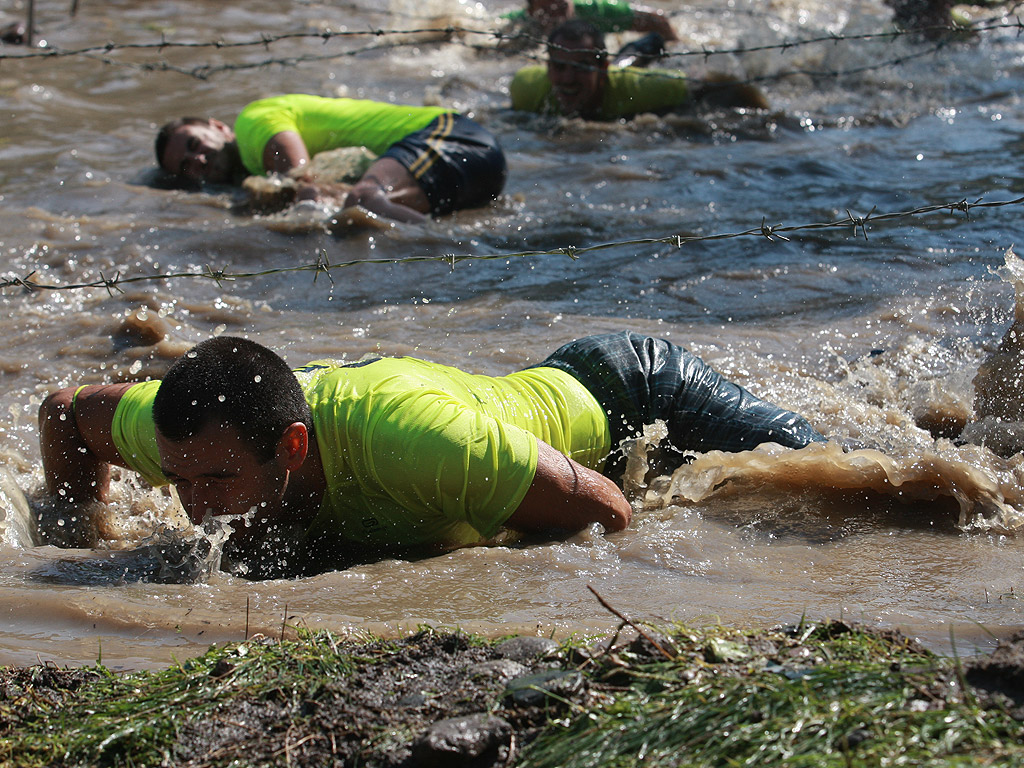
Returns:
<point x="332" y="464"/>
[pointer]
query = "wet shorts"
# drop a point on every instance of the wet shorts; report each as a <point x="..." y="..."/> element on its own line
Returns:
<point x="456" y="162"/>
<point x="638" y="379"/>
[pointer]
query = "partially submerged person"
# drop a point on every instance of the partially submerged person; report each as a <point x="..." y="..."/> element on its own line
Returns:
<point x="606" y="15"/>
<point x="578" y="81"/>
<point x="339" y="463"/>
<point x="931" y="18"/>
<point x="431" y="160"/>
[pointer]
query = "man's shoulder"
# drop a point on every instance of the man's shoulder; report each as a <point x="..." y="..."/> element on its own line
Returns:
<point x="533" y="73"/>
<point x="632" y="90"/>
<point x="529" y="88"/>
<point x="646" y="77"/>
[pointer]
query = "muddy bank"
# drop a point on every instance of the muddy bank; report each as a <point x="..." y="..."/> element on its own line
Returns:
<point x="836" y="691"/>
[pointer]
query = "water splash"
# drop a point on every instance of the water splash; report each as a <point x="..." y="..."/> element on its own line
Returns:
<point x="988" y="490"/>
<point x="999" y="383"/>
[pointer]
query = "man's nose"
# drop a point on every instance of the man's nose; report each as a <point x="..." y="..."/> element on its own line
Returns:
<point x="201" y="501"/>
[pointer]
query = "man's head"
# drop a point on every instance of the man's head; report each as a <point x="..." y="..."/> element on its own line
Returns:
<point x="231" y="423"/>
<point x="550" y="13"/>
<point x="577" y="67"/>
<point x="198" y="149"/>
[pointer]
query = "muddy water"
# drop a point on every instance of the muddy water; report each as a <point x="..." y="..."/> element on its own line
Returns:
<point x="875" y="336"/>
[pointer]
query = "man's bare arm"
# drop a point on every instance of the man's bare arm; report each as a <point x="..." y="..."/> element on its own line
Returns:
<point x="566" y="495"/>
<point x="75" y="442"/>
<point x="285" y="150"/>
<point x="649" y="20"/>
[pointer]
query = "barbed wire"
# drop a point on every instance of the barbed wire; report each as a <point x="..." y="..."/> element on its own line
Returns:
<point x="454" y="34"/>
<point x="858" y="224"/>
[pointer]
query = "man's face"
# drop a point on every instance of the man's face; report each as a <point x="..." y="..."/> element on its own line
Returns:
<point x="577" y="77"/>
<point x="216" y="472"/>
<point x="200" y="152"/>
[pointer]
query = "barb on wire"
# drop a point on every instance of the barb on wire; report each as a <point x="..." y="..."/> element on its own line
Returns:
<point x="860" y="222"/>
<point x="323" y="265"/>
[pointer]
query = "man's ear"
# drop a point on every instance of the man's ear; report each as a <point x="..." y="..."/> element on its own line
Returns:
<point x="293" y="446"/>
<point x="221" y="126"/>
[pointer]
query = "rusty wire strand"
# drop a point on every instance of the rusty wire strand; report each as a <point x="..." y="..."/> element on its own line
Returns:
<point x="451" y="34"/>
<point x="322" y="265"/>
<point x="265" y="39"/>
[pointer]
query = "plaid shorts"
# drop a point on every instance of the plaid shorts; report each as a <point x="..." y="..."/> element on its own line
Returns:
<point x="455" y="161"/>
<point x="638" y="379"/>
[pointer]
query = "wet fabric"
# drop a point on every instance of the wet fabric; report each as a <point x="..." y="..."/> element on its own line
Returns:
<point x="639" y="379"/>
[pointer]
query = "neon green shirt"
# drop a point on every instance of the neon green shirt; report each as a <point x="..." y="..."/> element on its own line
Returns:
<point x="629" y="91"/>
<point x="606" y="15"/>
<point x="325" y="123"/>
<point x="415" y="453"/>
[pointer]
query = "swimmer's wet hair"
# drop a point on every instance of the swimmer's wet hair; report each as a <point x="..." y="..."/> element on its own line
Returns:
<point x="579" y="31"/>
<point x="235" y="382"/>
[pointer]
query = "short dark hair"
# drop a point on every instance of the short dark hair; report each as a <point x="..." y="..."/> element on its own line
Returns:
<point x="164" y="135"/>
<point x="579" y="31"/>
<point x="237" y="382"/>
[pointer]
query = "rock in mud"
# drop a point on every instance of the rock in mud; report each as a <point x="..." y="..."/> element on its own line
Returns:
<point x="473" y="741"/>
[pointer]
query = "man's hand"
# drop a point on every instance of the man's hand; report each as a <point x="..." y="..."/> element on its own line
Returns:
<point x="567" y="496"/>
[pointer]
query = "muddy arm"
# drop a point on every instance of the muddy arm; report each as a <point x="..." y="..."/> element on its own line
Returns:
<point x="568" y="496"/>
<point x="285" y="151"/>
<point x="75" y="442"/>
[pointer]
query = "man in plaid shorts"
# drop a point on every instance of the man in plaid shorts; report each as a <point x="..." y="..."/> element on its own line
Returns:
<point x="431" y="160"/>
<point x="398" y="455"/>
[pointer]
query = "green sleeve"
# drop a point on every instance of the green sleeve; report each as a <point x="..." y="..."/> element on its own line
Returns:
<point x="530" y="89"/>
<point x="134" y="433"/>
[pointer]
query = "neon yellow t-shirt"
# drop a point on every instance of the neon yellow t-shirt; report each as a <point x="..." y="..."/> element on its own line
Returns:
<point x="325" y="123"/>
<point x="416" y="453"/>
<point x="629" y="91"/>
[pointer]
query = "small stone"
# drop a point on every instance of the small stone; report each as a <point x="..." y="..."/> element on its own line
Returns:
<point x="473" y="741"/>
<point x="532" y="690"/>
<point x="526" y="648"/>
<point x="500" y="669"/>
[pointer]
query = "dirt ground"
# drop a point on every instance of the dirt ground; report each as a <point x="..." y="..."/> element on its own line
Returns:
<point x="443" y="699"/>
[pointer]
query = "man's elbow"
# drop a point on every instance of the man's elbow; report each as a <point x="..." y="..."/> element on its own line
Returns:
<point x="56" y="408"/>
<point x="618" y="517"/>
